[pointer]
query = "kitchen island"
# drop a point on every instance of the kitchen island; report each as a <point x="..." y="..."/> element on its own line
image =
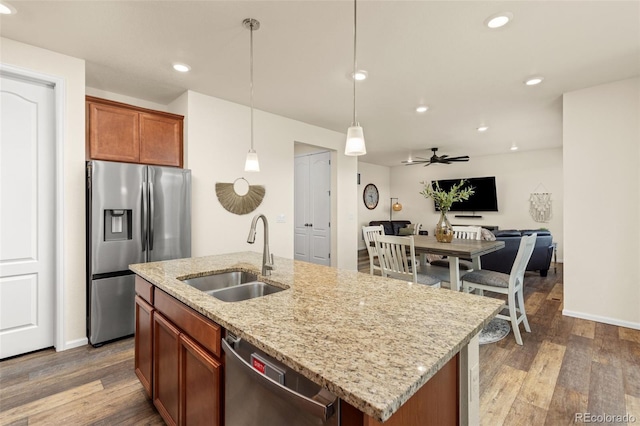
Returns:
<point x="373" y="342"/>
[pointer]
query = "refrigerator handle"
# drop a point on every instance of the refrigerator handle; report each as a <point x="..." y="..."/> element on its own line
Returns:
<point x="144" y="217"/>
<point x="152" y="208"/>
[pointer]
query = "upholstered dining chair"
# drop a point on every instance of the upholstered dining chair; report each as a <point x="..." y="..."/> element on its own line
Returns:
<point x="512" y="285"/>
<point x="368" y="233"/>
<point x="437" y="267"/>
<point x="398" y="260"/>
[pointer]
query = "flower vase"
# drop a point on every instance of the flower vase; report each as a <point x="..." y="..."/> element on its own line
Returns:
<point x="444" y="231"/>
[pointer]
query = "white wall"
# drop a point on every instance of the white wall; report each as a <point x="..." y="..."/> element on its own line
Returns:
<point x="517" y="174"/>
<point x="117" y="97"/>
<point x="71" y="70"/>
<point x="218" y="135"/>
<point x="601" y="137"/>
<point x="379" y="176"/>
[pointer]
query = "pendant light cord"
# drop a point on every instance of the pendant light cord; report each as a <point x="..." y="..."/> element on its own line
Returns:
<point x="355" y="66"/>
<point x="251" y="77"/>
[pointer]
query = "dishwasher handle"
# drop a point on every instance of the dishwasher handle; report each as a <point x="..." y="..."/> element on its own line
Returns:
<point x="318" y="409"/>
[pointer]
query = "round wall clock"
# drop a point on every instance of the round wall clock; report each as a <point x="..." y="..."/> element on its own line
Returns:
<point x="370" y="196"/>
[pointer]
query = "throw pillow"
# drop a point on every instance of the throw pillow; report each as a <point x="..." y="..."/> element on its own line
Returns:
<point x="487" y="235"/>
<point x="407" y="230"/>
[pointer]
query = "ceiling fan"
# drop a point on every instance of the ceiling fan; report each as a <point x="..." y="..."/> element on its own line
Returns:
<point x="442" y="159"/>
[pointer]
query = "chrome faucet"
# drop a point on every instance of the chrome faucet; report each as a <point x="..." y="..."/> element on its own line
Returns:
<point x="267" y="258"/>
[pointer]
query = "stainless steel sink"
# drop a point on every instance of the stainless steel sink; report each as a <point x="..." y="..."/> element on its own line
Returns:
<point x="211" y="283"/>
<point x="245" y="291"/>
<point x="233" y="286"/>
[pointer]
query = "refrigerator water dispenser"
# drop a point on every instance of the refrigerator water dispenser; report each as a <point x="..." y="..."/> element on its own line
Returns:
<point x="117" y="225"/>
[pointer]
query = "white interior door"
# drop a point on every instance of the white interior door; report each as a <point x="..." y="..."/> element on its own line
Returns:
<point x="312" y="209"/>
<point x="301" y="209"/>
<point x="27" y="214"/>
<point x="320" y="209"/>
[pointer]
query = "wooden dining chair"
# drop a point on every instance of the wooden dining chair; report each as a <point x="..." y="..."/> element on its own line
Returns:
<point x="512" y="285"/>
<point x="467" y="232"/>
<point x="398" y="260"/>
<point x="368" y="233"/>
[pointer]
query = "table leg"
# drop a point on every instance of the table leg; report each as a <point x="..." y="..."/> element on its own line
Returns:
<point x="454" y="273"/>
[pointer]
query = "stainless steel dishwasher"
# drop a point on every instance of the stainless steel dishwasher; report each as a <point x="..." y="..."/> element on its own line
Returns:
<point x="260" y="391"/>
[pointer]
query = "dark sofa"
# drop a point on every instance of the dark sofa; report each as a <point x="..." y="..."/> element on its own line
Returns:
<point x="502" y="260"/>
<point x="391" y="227"/>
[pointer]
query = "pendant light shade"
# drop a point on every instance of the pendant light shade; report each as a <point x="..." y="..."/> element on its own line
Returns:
<point x="251" y="164"/>
<point x="355" y="135"/>
<point x="355" y="141"/>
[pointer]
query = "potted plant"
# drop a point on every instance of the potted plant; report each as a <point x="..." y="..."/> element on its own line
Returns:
<point x="444" y="199"/>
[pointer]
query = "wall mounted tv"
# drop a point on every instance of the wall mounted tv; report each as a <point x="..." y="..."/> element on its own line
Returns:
<point x="485" y="198"/>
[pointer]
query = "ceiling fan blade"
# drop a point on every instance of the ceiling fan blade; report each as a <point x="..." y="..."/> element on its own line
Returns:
<point x="428" y="164"/>
<point x="461" y="158"/>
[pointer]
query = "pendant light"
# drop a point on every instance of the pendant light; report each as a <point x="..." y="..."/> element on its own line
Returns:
<point x="355" y="136"/>
<point x="251" y="164"/>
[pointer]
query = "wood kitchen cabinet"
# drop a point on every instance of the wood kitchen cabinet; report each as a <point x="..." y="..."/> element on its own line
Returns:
<point x="178" y="358"/>
<point x="121" y="132"/>
<point x="143" y="358"/>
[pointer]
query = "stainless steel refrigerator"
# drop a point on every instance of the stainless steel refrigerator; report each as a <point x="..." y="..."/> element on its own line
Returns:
<point x="135" y="214"/>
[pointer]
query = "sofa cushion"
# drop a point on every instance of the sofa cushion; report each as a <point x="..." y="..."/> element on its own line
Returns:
<point x="492" y="278"/>
<point x="507" y="233"/>
<point x="540" y="232"/>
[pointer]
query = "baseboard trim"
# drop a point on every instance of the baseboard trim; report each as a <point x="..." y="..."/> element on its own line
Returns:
<point x="605" y="320"/>
<point x="73" y="344"/>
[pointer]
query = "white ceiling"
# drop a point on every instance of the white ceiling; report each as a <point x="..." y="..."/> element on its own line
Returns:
<point x="433" y="52"/>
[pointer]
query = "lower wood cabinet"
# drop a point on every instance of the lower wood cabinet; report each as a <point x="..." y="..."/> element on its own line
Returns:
<point x="177" y="360"/>
<point x="166" y="375"/>
<point x="199" y="385"/>
<point x="143" y="359"/>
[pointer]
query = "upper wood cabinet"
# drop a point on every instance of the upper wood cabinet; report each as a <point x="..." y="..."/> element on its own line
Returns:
<point x="121" y="132"/>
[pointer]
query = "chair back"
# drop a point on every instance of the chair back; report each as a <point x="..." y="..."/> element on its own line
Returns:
<point x="369" y="233"/>
<point x="527" y="243"/>
<point x="467" y="232"/>
<point x="397" y="257"/>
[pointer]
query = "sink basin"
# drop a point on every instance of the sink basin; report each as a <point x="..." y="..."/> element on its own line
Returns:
<point x="233" y="286"/>
<point x="245" y="291"/>
<point x="211" y="283"/>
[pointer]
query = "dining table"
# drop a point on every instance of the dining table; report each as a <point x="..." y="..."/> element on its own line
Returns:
<point x="455" y="250"/>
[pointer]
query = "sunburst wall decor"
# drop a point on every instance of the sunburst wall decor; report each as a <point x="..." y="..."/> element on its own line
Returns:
<point x="239" y="203"/>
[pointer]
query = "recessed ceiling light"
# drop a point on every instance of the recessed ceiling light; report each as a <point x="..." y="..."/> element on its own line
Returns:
<point x="360" y="75"/>
<point x="514" y="147"/>
<point x="7" y="9"/>
<point x="498" y="20"/>
<point x="181" y="67"/>
<point x="482" y="128"/>
<point x="532" y="81"/>
<point x="422" y="108"/>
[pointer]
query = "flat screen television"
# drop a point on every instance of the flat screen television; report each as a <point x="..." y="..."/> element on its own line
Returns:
<point x="484" y="199"/>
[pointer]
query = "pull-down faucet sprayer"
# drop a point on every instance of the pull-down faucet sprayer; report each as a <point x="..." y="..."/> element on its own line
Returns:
<point x="267" y="258"/>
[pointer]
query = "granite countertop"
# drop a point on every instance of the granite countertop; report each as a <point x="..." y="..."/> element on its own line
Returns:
<point x="372" y="341"/>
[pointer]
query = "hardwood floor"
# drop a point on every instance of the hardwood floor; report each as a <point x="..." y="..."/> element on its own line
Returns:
<point x="566" y="366"/>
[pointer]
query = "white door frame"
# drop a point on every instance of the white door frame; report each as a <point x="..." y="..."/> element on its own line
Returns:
<point x="59" y="91"/>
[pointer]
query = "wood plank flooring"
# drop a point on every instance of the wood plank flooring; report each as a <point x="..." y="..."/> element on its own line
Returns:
<point x="566" y="366"/>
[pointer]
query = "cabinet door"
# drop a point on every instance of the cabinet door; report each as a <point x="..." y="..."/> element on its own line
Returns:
<point x="166" y="362"/>
<point x="160" y="140"/>
<point x="143" y="357"/>
<point x="200" y="391"/>
<point x="113" y="133"/>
